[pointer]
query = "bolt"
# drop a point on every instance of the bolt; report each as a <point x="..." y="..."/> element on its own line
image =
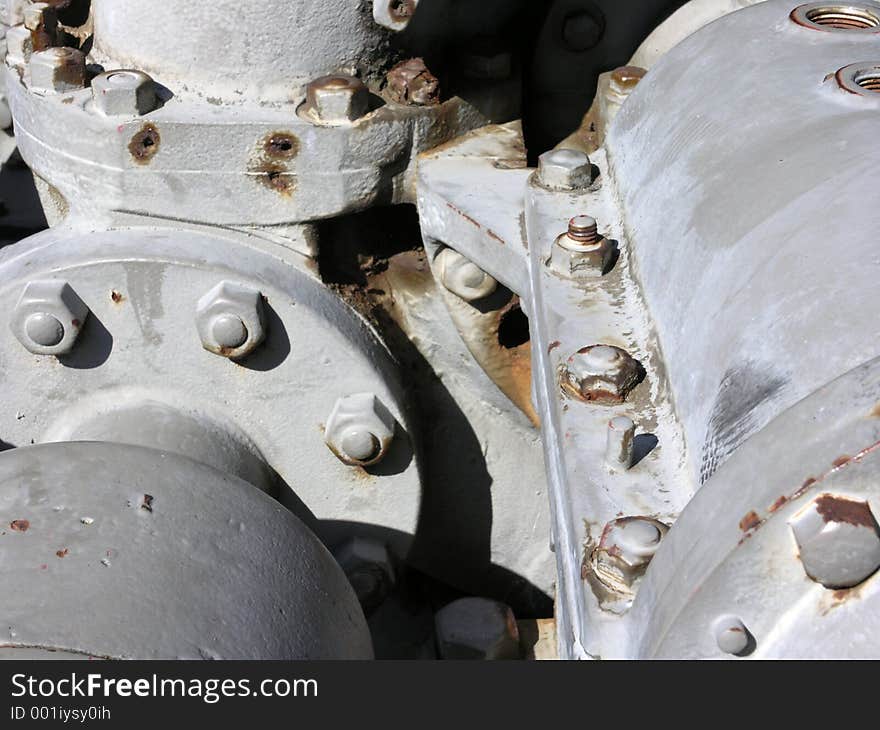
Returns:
<point x="411" y="83"/>
<point x="462" y="276"/>
<point x="477" y="628"/>
<point x="581" y="31"/>
<point x="57" y="70"/>
<point x="581" y="251"/>
<point x="839" y="540"/>
<point x="601" y="374"/>
<point x="565" y="169"/>
<point x="230" y="320"/>
<point x="337" y="99"/>
<point x="42" y="22"/>
<point x="583" y="229"/>
<point x="625" y="550"/>
<point x="731" y="635"/>
<point x="619" y="446"/>
<point x="394" y="14"/>
<point x="360" y="430"/>
<point x="48" y="317"/>
<point x="124" y="93"/>
<point x="370" y="570"/>
<point x="625" y="79"/>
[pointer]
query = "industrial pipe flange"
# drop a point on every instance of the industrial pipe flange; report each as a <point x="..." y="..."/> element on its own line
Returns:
<point x="124" y="552"/>
<point x="194" y="340"/>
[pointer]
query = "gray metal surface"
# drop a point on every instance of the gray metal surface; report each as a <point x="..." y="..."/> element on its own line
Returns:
<point x="755" y="205"/>
<point x="124" y="552"/>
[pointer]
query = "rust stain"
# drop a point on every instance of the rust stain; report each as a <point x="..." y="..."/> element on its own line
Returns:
<point x="147" y="504"/>
<point x="841" y="461"/>
<point x="779" y="503"/>
<point x="270" y="165"/>
<point x="553" y="345"/>
<point x="116" y="297"/>
<point x="750" y="521"/>
<point x="19" y="525"/>
<point x="838" y="509"/>
<point x="62" y="553"/>
<point x="145" y="144"/>
<point x="281" y="145"/>
<point x="410" y="82"/>
<point x="401" y="10"/>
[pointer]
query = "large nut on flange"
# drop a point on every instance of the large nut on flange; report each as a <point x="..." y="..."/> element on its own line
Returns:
<point x="360" y="429"/>
<point x="625" y="550"/>
<point x="124" y="93"/>
<point x="48" y="317"/>
<point x="337" y="99"/>
<point x="230" y="320"/>
<point x="839" y="541"/>
<point x="394" y="14"/>
<point x="369" y="568"/>
<point x="565" y="169"/>
<point x="601" y="374"/>
<point x="462" y="276"/>
<point x="57" y="70"/>
<point x="477" y="628"/>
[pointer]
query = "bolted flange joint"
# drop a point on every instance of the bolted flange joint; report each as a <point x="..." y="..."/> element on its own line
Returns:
<point x="625" y="550"/>
<point x="565" y="169"/>
<point x="48" y="317"/>
<point x="360" y="430"/>
<point x="336" y="99"/>
<point x="230" y="320"/>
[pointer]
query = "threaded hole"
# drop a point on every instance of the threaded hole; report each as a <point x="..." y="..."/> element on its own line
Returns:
<point x="869" y="81"/>
<point x="844" y="18"/>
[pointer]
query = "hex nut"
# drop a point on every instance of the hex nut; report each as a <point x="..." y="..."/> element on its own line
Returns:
<point x="369" y="566"/>
<point x="623" y="81"/>
<point x="462" y="276"/>
<point x="411" y="83"/>
<point x="41" y="20"/>
<point x="601" y="374"/>
<point x="230" y="320"/>
<point x="565" y="169"/>
<point x="477" y="628"/>
<point x="577" y="254"/>
<point x="336" y="99"/>
<point x="124" y="92"/>
<point x="48" y="317"/>
<point x="394" y="14"/>
<point x="839" y="541"/>
<point x="625" y="550"/>
<point x="57" y="70"/>
<point x="360" y="429"/>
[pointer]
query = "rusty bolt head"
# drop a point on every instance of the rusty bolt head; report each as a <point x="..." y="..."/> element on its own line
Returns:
<point x="565" y="169"/>
<point x="48" y="317"/>
<point x="411" y="83"/>
<point x="337" y="99"/>
<point x="625" y="550"/>
<point x="601" y="374"/>
<point x="230" y="320"/>
<point x="624" y="80"/>
<point x="57" y="70"/>
<point x="124" y="92"/>
<point x="394" y="14"/>
<point x="462" y="276"/>
<point x="41" y="20"/>
<point x="731" y="635"/>
<point x="839" y="540"/>
<point x="19" y="45"/>
<point x="360" y="430"/>
<point x="477" y="628"/>
<point x="370" y="570"/>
